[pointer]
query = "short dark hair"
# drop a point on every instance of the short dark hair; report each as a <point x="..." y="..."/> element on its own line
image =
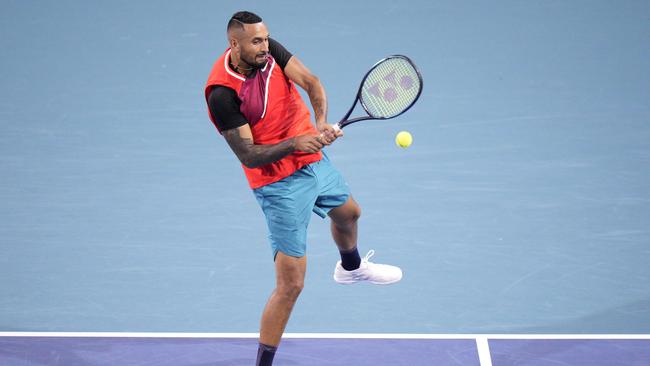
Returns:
<point x="243" y="17"/>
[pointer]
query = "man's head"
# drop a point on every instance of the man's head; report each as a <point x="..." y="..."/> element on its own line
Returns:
<point x="249" y="38"/>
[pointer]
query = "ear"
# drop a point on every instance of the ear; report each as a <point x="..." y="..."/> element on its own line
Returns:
<point x="233" y="43"/>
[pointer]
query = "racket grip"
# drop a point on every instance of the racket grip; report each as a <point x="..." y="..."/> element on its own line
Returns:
<point x="336" y="127"/>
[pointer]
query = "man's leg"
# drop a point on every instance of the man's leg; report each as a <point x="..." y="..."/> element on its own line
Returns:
<point x="352" y="268"/>
<point x="344" y="225"/>
<point x="290" y="278"/>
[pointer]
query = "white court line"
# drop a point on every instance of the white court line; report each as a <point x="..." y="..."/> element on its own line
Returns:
<point x="484" y="357"/>
<point x="328" y="335"/>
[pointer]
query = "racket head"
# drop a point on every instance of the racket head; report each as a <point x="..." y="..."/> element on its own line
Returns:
<point x="390" y="87"/>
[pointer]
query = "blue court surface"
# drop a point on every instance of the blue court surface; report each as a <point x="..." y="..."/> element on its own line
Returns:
<point x="323" y="349"/>
<point x="520" y="215"/>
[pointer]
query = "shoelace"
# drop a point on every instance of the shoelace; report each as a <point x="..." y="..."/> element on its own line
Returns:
<point x="369" y="255"/>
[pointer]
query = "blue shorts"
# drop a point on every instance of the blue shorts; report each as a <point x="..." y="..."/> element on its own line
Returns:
<point x="288" y="204"/>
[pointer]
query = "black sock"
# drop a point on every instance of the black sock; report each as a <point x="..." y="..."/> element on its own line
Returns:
<point x="350" y="259"/>
<point x="265" y="355"/>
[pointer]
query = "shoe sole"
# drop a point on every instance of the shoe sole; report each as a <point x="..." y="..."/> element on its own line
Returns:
<point x="373" y="282"/>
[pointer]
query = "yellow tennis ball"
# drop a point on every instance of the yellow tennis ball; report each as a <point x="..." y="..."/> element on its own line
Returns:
<point x="404" y="139"/>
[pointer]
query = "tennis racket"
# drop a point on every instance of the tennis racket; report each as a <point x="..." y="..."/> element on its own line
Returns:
<point x="387" y="90"/>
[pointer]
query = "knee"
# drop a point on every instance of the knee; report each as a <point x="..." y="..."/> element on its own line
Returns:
<point x="290" y="290"/>
<point x="356" y="214"/>
<point x="351" y="216"/>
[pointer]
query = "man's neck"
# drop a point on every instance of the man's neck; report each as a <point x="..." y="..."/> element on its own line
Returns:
<point x="239" y="66"/>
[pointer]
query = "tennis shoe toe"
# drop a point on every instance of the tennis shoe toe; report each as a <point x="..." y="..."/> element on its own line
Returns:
<point x="379" y="274"/>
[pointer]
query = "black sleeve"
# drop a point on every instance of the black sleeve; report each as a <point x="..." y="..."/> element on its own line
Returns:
<point x="224" y="108"/>
<point x="279" y="53"/>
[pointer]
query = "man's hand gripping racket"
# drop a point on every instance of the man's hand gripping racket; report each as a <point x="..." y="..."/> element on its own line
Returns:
<point x="389" y="89"/>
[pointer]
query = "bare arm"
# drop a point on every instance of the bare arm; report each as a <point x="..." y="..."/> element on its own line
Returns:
<point x="301" y="75"/>
<point x="252" y="156"/>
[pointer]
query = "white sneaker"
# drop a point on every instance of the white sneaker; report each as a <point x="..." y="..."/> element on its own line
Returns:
<point x="379" y="274"/>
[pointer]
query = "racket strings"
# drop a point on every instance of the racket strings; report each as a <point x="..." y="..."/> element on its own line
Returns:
<point x="390" y="88"/>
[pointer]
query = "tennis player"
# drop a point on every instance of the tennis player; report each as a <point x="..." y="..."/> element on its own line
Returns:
<point x="253" y="101"/>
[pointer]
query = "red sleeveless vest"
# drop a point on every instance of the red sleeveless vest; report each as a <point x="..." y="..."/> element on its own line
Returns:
<point x="278" y="113"/>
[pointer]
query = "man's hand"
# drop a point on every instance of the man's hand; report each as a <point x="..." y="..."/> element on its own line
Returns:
<point x="309" y="143"/>
<point x="327" y="133"/>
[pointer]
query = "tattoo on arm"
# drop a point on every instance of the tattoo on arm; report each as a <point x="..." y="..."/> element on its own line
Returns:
<point x="253" y="156"/>
<point x="320" y="108"/>
<point x="317" y="97"/>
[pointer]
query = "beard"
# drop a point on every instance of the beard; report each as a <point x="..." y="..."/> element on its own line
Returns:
<point x="256" y="61"/>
